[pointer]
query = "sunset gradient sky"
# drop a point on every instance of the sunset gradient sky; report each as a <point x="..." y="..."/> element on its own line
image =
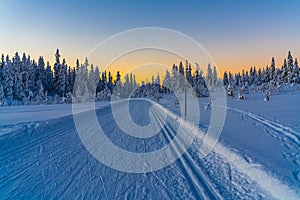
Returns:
<point x="237" y="34"/>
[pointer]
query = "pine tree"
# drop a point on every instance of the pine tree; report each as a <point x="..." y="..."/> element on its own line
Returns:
<point x="62" y="90"/>
<point x="290" y="68"/>
<point x="71" y="79"/>
<point x="118" y="85"/>
<point x="8" y="79"/>
<point x="188" y="74"/>
<point x="225" y="80"/>
<point x="110" y="83"/>
<point x="157" y="80"/>
<point x="258" y="79"/>
<point x="215" y="76"/>
<point x="296" y="74"/>
<point x="31" y="75"/>
<point x="57" y="71"/>
<point x="24" y="71"/>
<point x="91" y="83"/>
<point x="284" y="70"/>
<point x="41" y="94"/>
<point x="209" y="75"/>
<point x="267" y="75"/>
<point x="272" y="69"/>
<point x="131" y="80"/>
<point x="40" y="73"/>
<point x="2" y="63"/>
<point x="167" y="82"/>
<point x="49" y="85"/>
<point x="18" y="89"/>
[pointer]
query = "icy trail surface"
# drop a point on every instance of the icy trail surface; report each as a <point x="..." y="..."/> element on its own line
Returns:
<point x="46" y="159"/>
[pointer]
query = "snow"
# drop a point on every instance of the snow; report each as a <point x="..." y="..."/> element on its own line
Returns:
<point x="257" y="156"/>
<point x="20" y="114"/>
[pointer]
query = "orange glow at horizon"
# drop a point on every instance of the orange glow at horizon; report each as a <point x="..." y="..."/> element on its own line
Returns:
<point x="128" y="63"/>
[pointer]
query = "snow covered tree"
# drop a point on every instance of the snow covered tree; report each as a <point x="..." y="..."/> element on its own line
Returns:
<point x="258" y="79"/>
<point x="118" y="86"/>
<point x="272" y="69"/>
<point x="225" y="79"/>
<point x="167" y="82"/>
<point x="2" y="63"/>
<point x="110" y="84"/>
<point x="157" y="80"/>
<point x="62" y="89"/>
<point x="40" y="72"/>
<point x="284" y="70"/>
<point x="24" y="72"/>
<point x="71" y="80"/>
<point x="48" y="83"/>
<point x="18" y="89"/>
<point x="296" y="74"/>
<point x="200" y="87"/>
<point x="31" y="75"/>
<point x="41" y="95"/>
<point x="8" y="79"/>
<point x="57" y="72"/>
<point x="127" y="88"/>
<point x="96" y="77"/>
<point x="215" y="76"/>
<point x="180" y="76"/>
<point x="290" y="66"/>
<point x="188" y="75"/>
<point x="2" y="95"/>
<point x="209" y="75"/>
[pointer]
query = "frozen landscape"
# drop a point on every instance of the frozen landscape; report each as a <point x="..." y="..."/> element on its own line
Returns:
<point x="149" y="100"/>
<point x="257" y="155"/>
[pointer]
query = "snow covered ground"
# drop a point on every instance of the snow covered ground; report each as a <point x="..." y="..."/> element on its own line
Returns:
<point x="19" y="114"/>
<point x="257" y="157"/>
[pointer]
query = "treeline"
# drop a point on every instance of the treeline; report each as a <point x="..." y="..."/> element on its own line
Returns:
<point x="25" y="81"/>
<point x="270" y="79"/>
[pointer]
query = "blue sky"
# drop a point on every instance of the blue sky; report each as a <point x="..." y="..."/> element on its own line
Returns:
<point x="236" y="33"/>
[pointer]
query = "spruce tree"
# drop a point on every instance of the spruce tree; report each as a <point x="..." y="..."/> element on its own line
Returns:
<point x="57" y="72"/>
<point x="225" y="80"/>
<point x="48" y="84"/>
<point x="284" y="70"/>
<point x="209" y="75"/>
<point x="215" y="76"/>
<point x="62" y="90"/>
<point x="290" y="66"/>
<point x="8" y="79"/>
<point x="24" y="72"/>
<point x="40" y="72"/>
<point x="296" y="74"/>
<point x="18" y="88"/>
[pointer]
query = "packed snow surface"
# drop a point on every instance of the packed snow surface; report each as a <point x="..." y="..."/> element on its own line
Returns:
<point x="257" y="155"/>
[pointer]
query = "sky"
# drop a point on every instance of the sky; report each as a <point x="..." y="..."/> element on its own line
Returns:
<point x="236" y="33"/>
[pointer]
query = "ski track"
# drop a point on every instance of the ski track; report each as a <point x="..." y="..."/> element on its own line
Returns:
<point x="203" y="189"/>
<point x="289" y="132"/>
<point x="49" y="162"/>
<point x="268" y="182"/>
